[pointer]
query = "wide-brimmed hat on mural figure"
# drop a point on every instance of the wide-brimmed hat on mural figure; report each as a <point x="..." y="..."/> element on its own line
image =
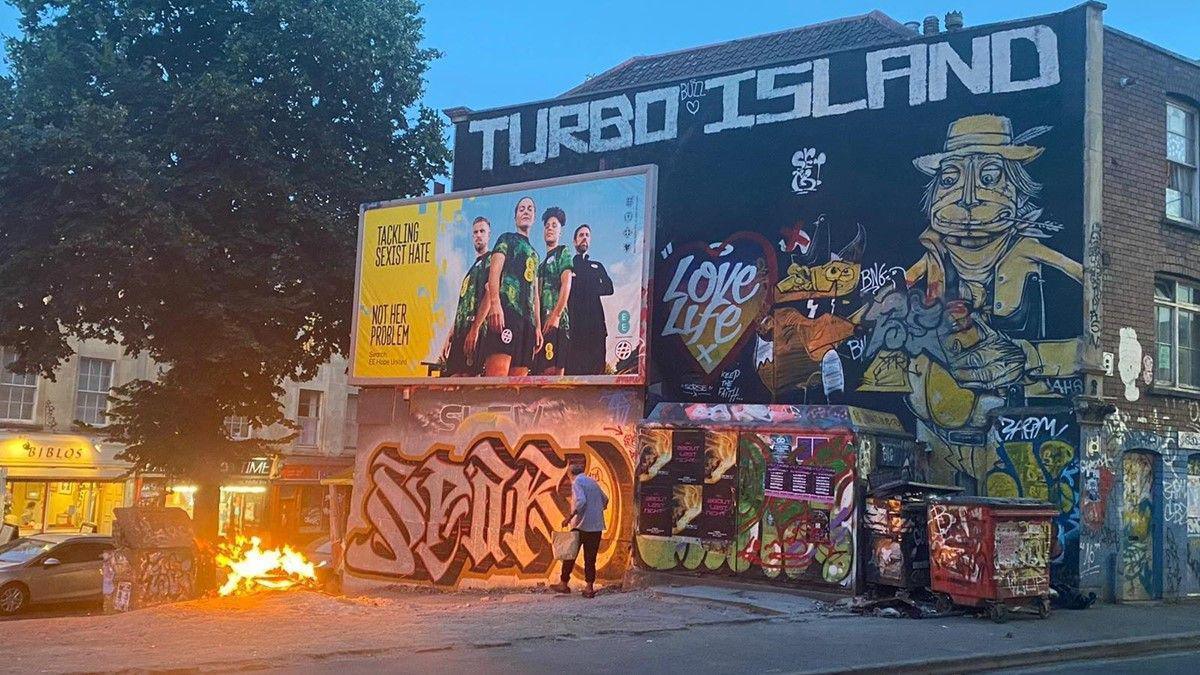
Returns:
<point x="983" y="134"/>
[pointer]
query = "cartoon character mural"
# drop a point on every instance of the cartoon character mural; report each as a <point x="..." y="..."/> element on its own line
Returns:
<point x="808" y="318"/>
<point x="964" y="332"/>
<point x="969" y="334"/>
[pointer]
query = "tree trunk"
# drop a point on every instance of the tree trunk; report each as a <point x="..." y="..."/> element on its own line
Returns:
<point x="206" y="511"/>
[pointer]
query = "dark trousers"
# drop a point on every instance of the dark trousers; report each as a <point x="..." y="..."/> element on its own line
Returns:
<point x="590" y="543"/>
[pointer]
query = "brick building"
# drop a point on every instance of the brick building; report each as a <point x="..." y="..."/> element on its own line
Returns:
<point x="1142" y="536"/>
<point x="985" y="231"/>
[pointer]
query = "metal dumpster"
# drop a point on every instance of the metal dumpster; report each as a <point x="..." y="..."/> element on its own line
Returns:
<point x="897" y="542"/>
<point x="991" y="553"/>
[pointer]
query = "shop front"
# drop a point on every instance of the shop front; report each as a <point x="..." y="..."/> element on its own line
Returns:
<point x="300" y="504"/>
<point x="243" y="505"/>
<point x="61" y="483"/>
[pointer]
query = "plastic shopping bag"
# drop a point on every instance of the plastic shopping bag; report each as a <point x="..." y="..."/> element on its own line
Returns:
<point x="565" y="544"/>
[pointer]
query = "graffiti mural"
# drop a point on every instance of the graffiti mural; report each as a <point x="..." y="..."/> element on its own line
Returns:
<point x="1137" y="518"/>
<point x="1037" y="458"/>
<point x="801" y="538"/>
<point x="929" y="252"/>
<point x="808" y="318"/>
<point x="715" y="295"/>
<point x="467" y="488"/>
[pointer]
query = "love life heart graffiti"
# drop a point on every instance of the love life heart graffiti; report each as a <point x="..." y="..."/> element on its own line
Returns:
<point x="716" y="293"/>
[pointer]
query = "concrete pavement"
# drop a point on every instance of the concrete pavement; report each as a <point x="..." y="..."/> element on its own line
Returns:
<point x="675" y="627"/>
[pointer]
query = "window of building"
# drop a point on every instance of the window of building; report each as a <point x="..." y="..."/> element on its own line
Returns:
<point x="91" y="398"/>
<point x="18" y="393"/>
<point x="1181" y="163"/>
<point x="350" y="436"/>
<point x="1177" y="336"/>
<point x="238" y="427"/>
<point x="309" y="417"/>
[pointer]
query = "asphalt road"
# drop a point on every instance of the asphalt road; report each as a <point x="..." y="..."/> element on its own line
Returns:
<point x="761" y="647"/>
<point x="1179" y="663"/>
<point x="56" y="610"/>
<point x="756" y="648"/>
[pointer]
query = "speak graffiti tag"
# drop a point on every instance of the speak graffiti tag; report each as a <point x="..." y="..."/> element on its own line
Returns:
<point x="488" y="511"/>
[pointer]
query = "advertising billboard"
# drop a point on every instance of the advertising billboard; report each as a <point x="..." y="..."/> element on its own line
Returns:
<point x="540" y="282"/>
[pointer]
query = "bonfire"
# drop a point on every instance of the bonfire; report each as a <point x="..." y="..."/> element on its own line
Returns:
<point x="250" y="568"/>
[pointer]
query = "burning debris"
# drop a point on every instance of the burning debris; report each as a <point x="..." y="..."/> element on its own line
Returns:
<point x="250" y="568"/>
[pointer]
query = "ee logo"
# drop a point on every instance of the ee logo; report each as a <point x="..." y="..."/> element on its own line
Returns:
<point x="623" y="321"/>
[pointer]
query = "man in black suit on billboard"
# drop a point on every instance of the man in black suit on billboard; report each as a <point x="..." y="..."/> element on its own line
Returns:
<point x="589" y="333"/>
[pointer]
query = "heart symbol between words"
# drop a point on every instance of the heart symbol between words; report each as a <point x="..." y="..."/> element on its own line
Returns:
<point x="693" y="106"/>
<point x="716" y="294"/>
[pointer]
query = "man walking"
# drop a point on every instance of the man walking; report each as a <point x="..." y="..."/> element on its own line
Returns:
<point x="589" y="333"/>
<point x="588" y="505"/>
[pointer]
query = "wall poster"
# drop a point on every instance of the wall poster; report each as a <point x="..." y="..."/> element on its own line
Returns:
<point x="687" y="480"/>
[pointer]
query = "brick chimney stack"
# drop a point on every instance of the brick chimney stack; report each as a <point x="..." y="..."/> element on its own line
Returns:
<point x="931" y="25"/>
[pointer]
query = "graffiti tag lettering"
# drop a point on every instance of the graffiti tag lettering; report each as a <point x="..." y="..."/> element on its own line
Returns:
<point x="716" y="294"/>
<point x="1029" y="428"/>
<point x="487" y="512"/>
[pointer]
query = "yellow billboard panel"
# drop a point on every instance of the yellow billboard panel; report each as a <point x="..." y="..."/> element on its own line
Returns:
<point x="538" y="282"/>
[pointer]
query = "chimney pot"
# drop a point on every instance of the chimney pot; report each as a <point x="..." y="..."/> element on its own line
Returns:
<point x="931" y="25"/>
<point x="914" y="26"/>
<point x="954" y="20"/>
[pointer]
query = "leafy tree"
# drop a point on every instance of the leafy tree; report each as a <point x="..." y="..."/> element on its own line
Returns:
<point x="183" y="178"/>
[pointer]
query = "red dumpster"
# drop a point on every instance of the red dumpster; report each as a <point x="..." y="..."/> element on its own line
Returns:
<point x="991" y="553"/>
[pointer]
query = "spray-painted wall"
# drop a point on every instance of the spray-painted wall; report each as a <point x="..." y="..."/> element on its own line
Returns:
<point x="766" y="534"/>
<point x="1140" y="535"/>
<point x="464" y="487"/>
<point x="906" y="221"/>
<point x="1140" y="504"/>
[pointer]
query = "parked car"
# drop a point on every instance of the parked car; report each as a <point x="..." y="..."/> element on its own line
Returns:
<point x="43" y="568"/>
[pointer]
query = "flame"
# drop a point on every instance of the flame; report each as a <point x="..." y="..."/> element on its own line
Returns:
<point x="250" y="567"/>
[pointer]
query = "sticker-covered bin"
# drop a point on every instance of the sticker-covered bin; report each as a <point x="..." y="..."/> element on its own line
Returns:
<point x="991" y="553"/>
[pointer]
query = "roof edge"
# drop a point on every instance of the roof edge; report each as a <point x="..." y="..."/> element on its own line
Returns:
<point x="883" y="45"/>
<point x="1158" y="48"/>
<point x="875" y="14"/>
